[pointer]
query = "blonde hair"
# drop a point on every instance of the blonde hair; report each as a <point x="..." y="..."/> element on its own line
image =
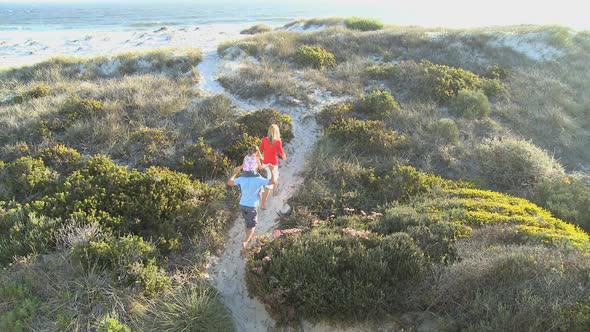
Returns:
<point x="253" y="150"/>
<point x="274" y="134"/>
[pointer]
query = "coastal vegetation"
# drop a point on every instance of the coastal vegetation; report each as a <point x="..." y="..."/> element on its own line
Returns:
<point x="431" y="165"/>
<point x="449" y="181"/>
<point x="109" y="188"/>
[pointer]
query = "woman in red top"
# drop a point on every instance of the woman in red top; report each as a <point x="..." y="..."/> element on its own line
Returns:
<point x="271" y="148"/>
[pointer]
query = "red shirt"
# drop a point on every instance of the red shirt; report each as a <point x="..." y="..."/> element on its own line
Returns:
<point x="270" y="151"/>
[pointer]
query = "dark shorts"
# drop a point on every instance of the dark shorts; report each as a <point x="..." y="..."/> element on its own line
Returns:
<point x="250" y="215"/>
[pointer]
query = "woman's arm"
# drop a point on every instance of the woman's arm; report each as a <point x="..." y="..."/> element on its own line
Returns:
<point x="281" y="152"/>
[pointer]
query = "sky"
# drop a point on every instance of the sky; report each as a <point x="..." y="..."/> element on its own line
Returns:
<point x="464" y="13"/>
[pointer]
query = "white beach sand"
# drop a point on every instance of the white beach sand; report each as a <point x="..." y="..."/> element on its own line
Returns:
<point x="19" y="48"/>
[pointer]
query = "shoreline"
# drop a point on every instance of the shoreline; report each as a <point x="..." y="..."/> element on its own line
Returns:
<point x="22" y="48"/>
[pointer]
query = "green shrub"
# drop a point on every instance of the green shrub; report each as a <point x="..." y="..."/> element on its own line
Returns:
<point x="256" y="123"/>
<point x="334" y="112"/>
<point x="22" y="308"/>
<point x="382" y="71"/>
<point x="377" y="104"/>
<point x="142" y="203"/>
<point x="131" y="259"/>
<point x="476" y="208"/>
<point x="348" y="275"/>
<point x="204" y="162"/>
<point x="238" y="149"/>
<point x="363" y="24"/>
<point x="567" y="197"/>
<point x="113" y="325"/>
<point x="215" y="110"/>
<point x="428" y="81"/>
<point x="364" y="136"/>
<point x="77" y="108"/>
<point x="11" y="152"/>
<point x="438" y="240"/>
<point x="23" y="178"/>
<point x="404" y="182"/>
<point x="149" y="146"/>
<point x="515" y="165"/>
<point x="445" y="130"/>
<point x="470" y="104"/>
<point x="256" y="29"/>
<point x="61" y="158"/>
<point x="193" y="307"/>
<point x="22" y="233"/>
<point x="497" y="72"/>
<point x="38" y="91"/>
<point x="315" y="57"/>
<point x="509" y="289"/>
<point x="493" y="88"/>
<point x="41" y="90"/>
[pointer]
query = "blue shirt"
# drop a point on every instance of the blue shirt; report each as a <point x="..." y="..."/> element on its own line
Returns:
<point x="250" y="186"/>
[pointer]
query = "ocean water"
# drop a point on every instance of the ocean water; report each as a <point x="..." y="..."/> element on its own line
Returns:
<point x="34" y="31"/>
<point x="50" y="15"/>
<point x="125" y="15"/>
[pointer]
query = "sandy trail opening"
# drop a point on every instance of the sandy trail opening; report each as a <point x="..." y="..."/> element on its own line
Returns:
<point x="227" y="271"/>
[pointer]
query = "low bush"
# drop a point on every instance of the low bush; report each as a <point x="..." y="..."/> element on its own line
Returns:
<point x="152" y="204"/>
<point x="470" y="104"/>
<point x="149" y="146"/>
<point x="514" y="288"/>
<point x="192" y="307"/>
<point x="348" y="275"/>
<point x="363" y="24"/>
<point x="23" y="233"/>
<point x="257" y="123"/>
<point x="341" y="186"/>
<point x="203" y="162"/>
<point x="61" y="158"/>
<point x="77" y="108"/>
<point x="214" y="110"/>
<point x="334" y="112"/>
<point x="113" y="325"/>
<point x="448" y="81"/>
<point x="404" y="182"/>
<point x="131" y="259"/>
<point x="41" y="90"/>
<point x="256" y="29"/>
<point x="514" y="165"/>
<point x="364" y="136"/>
<point x="445" y="130"/>
<point x="238" y="149"/>
<point x="429" y="81"/>
<point x="22" y="307"/>
<point x="377" y="104"/>
<point x="264" y="80"/>
<point x="438" y="241"/>
<point x="476" y="208"/>
<point x="497" y="72"/>
<point x="38" y="91"/>
<point x="24" y="178"/>
<point x="567" y="197"/>
<point x="12" y="152"/>
<point x="315" y="57"/>
<point x="383" y="71"/>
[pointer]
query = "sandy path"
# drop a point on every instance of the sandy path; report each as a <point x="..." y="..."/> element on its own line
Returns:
<point x="227" y="271"/>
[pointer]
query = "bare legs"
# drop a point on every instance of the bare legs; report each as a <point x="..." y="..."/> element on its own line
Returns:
<point x="275" y="188"/>
<point x="249" y="233"/>
<point x="265" y="194"/>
